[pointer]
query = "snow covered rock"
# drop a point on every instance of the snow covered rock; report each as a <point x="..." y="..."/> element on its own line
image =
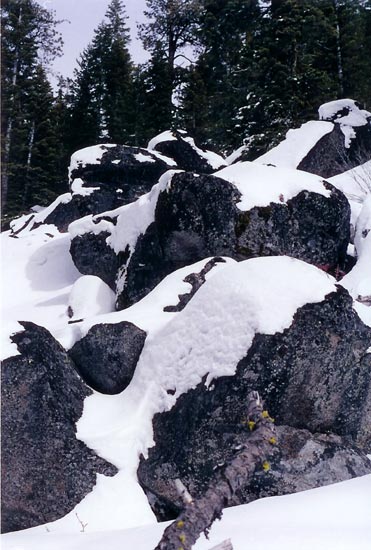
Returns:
<point x="107" y="356"/>
<point x="188" y="156"/>
<point x="129" y="171"/>
<point x="312" y="375"/>
<point x="46" y="471"/>
<point x="339" y="141"/>
<point x="259" y="211"/>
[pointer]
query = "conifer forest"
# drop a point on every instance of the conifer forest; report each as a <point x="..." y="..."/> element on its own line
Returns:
<point x="227" y="71"/>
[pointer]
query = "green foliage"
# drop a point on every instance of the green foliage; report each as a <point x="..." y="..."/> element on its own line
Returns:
<point x="29" y="150"/>
<point x="102" y="92"/>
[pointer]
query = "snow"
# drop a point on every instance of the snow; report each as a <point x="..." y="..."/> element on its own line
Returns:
<point x="208" y="337"/>
<point x="335" y="517"/>
<point x="36" y="283"/>
<point x="354" y="118"/>
<point x="356" y="185"/>
<point x="88" y="155"/>
<point x="77" y="188"/>
<point x="297" y="144"/>
<point x="90" y="296"/>
<point x="213" y="159"/>
<point x="260" y="185"/>
<point x="148" y="314"/>
<point x="358" y="280"/>
<point x="164" y="136"/>
<point x="26" y="222"/>
<point x="143" y="158"/>
<point x="236" y="154"/>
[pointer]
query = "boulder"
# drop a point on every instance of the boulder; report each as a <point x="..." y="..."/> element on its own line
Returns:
<point x="46" y="471"/>
<point x="201" y="216"/>
<point x="312" y="376"/>
<point x="107" y="356"/>
<point x="130" y="170"/>
<point x="339" y="141"/>
<point x="181" y="147"/>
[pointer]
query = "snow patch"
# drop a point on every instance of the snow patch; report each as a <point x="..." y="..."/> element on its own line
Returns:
<point x="25" y="223"/>
<point x="346" y="113"/>
<point x="260" y="185"/>
<point x="90" y="296"/>
<point x="77" y="188"/>
<point x="88" y="155"/>
<point x="297" y="144"/>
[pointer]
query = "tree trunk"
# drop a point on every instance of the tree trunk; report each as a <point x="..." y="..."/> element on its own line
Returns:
<point x="9" y="128"/>
<point x="339" y="56"/>
<point x="198" y="516"/>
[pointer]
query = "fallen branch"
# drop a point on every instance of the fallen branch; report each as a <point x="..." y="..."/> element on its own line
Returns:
<point x="199" y="515"/>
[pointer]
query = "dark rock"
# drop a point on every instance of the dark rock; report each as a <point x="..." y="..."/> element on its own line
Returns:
<point x="83" y="205"/>
<point x="198" y="217"/>
<point x="186" y="156"/>
<point x="196" y="280"/>
<point x="121" y="169"/>
<point x="107" y="356"/>
<point x="92" y="256"/>
<point x="330" y="156"/>
<point x="309" y="227"/>
<point x="46" y="471"/>
<point x="312" y="376"/>
<point x="195" y="219"/>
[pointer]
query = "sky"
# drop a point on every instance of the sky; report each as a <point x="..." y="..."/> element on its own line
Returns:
<point x="84" y="17"/>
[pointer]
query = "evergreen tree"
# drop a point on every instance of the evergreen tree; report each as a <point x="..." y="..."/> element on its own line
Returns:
<point x="210" y="97"/>
<point x="29" y="42"/>
<point x="171" y="28"/>
<point x="102" y="102"/>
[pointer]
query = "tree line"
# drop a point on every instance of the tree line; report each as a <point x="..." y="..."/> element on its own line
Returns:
<point x="227" y="71"/>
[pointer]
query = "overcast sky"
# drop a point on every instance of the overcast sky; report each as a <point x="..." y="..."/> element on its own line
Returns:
<point x="84" y="17"/>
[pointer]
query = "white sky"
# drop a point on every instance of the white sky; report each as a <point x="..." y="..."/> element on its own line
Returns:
<point x="84" y="17"/>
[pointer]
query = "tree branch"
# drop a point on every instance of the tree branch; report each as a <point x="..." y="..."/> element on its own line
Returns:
<point x="199" y="515"/>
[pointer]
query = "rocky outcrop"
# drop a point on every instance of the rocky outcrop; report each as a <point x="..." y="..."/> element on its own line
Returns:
<point x="107" y="356"/>
<point x="46" y="471"/>
<point x="131" y="170"/>
<point x="188" y="156"/>
<point x="198" y="216"/>
<point x="313" y="376"/>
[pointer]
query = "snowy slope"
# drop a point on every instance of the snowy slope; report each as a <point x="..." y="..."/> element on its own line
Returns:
<point x="335" y="517"/>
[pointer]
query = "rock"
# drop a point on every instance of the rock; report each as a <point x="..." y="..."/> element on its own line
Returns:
<point x="188" y="156"/>
<point x="312" y="376"/>
<point x="98" y="201"/>
<point x="305" y="461"/>
<point x="107" y="356"/>
<point x="92" y="256"/>
<point x="130" y="170"/>
<point x="46" y="471"/>
<point x="199" y="216"/>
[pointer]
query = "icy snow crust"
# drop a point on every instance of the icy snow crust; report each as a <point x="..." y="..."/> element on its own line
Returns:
<point x="335" y="517"/>
<point x="260" y="185"/>
<point x="297" y="144"/>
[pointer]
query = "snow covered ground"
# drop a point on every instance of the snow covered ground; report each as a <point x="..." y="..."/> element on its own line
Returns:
<point x="336" y="517"/>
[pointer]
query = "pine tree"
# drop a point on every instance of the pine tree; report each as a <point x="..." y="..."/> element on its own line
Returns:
<point x="212" y="91"/>
<point x="29" y="42"/>
<point x="171" y="29"/>
<point x="103" y="103"/>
